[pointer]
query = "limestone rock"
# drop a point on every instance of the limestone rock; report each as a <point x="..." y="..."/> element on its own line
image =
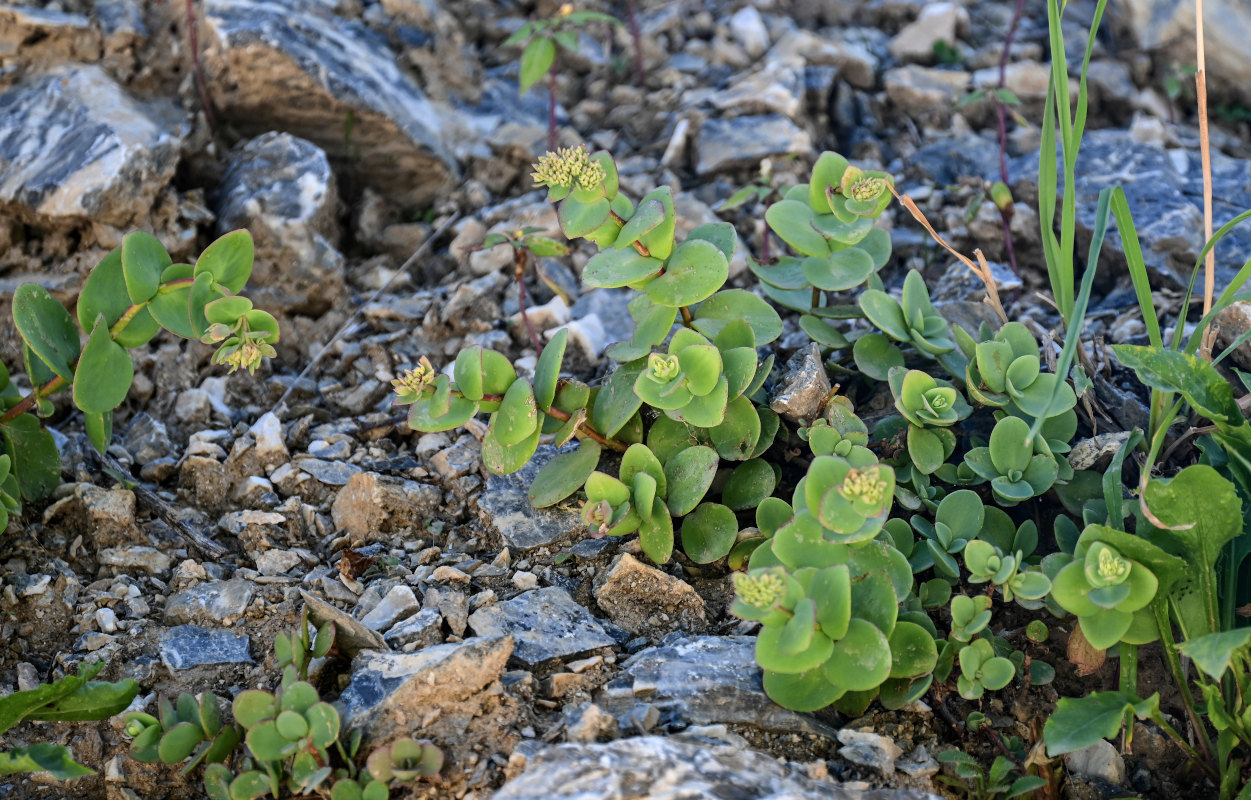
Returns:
<point x="292" y="65"/>
<point x="646" y="601"/>
<point x="370" y="505"/>
<point x="545" y="623"/>
<point x="281" y="189"/>
<point x="925" y="93"/>
<point x="393" y="690"/>
<point x="215" y="603"/>
<point x="121" y="155"/>
<point x="937" y="22"/>
<point x="399" y="603"/>
<point x="1231" y="323"/>
<point x="351" y="637"/>
<point x="505" y="507"/>
<point x="869" y="749"/>
<point x="667" y="769"/>
<point x="741" y="142"/>
<point x="187" y="646"/>
<point x="32" y="38"/>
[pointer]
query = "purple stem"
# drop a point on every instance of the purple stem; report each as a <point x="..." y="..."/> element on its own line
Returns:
<point x="201" y="86"/>
<point x="551" y="106"/>
<point x="640" y="75"/>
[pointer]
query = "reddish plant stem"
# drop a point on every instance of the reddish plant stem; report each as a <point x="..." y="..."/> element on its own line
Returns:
<point x="519" y="272"/>
<point x="1005" y="214"/>
<point x="551" y="105"/>
<point x="585" y="428"/>
<point x="201" y="85"/>
<point x="640" y="75"/>
<point x="638" y="246"/>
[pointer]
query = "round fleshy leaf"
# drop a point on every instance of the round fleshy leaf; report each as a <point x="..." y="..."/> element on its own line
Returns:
<point x="822" y="332"/>
<point x="772" y="514"/>
<point x="708" y="533"/>
<point x="267" y="744"/>
<point x="912" y="649"/>
<point x="730" y="305"/>
<point x="610" y="269"/>
<point x="291" y="725"/>
<point x="695" y="271"/>
<point x="875" y="356"/>
<point x="801" y="543"/>
<point x="688" y="474"/>
<point x="1008" y="448"/>
<point x="227" y="310"/>
<point x="707" y="411"/>
<point x="656" y="534"/>
<point x="179" y="741"/>
<point x="749" y="485"/>
<point x="228" y="260"/>
<point x="804" y="691"/>
<point x="701" y="364"/>
<point x="770" y="657"/>
<point x="827" y="172"/>
<point x="831" y="589"/>
<point x="873" y="599"/>
<point x="735" y="438"/>
<point x="46" y="328"/>
<point x="997" y="673"/>
<point x="840" y="270"/>
<point x="505" y="459"/>
<point x="579" y="219"/>
<point x="105" y="372"/>
<point x="564" y="475"/>
<point x="323" y="724"/>
<point x="861" y="660"/>
<point x="547" y="370"/>
<point x="144" y="259"/>
<point x="250" y="785"/>
<point x="884" y="312"/>
<point x="104" y="292"/>
<point x="649" y="213"/>
<point x="792" y="221"/>
<point x="518" y="416"/>
<point x="298" y="697"/>
<point x="422" y="418"/>
<point x="171" y="310"/>
<point x="925" y="449"/>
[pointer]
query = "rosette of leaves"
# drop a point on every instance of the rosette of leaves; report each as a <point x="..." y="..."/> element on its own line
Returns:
<point x="1108" y="593"/>
<point x="133" y="293"/>
<point x="838" y="433"/>
<point x="849" y="497"/>
<point x="913" y="321"/>
<point x="969" y="616"/>
<point x="834" y="632"/>
<point x="1006" y="369"/>
<point x="930" y="406"/>
<point x="958" y="519"/>
<point x="828" y="223"/>
<point x="987" y="563"/>
<point x="74" y="698"/>
<point x="190" y="729"/>
<point x="1016" y="470"/>
<point x="981" y="669"/>
<point x="404" y="759"/>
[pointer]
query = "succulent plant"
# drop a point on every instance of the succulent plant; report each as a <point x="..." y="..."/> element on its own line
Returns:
<point x="1006" y="369"/>
<point x="1016" y="470"/>
<point x="913" y="321"/>
<point x="189" y="729"/>
<point x="981" y="669"/>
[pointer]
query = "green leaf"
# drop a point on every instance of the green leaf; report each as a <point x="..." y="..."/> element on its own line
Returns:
<point x="875" y="355"/>
<point x="92" y="700"/>
<point x="616" y="402"/>
<point x="822" y="332"/>
<point x="21" y="704"/>
<point x="179" y="741"/>
<point x="105" y="372"/>
<point x="580" y="219"/>
<point x="228" y="260"/>
<point x="925" y="449"/>
<point x="144" y="259"/>
<point x="729" y="305"/>
<point x="564" y="475"/>
<point x="638" y="459"/>
<point x="719" y="233"/>
<point x="735" y="438"/>
<point x="688" y="474"/>
<point x="99" y="429"/>
<point x="227" y="310"/>
<point x="840" y="270"/>
<point x="204" y="291"/>
<point x="861" y="660"/>
<point x="250" y="785"/>
<point x="505" y="459"/>
<point x="913" y="652"/>
<point x="104" y="292"/>
<point x="656" y="534"/>
<point x="43" y="757"/>
<point x="803" y="691"/>
<point x="792" y="221"/>
<point x="749" y="485"/>
<point x="1079" y="722"/>
<point x="884" y="312"/>
<point x="695" y="271"/>
<point x="422" y="418"/>
<point x="649" y="213"/>
<point x="547" y="370"/>
<point x="518" y="416"/>
<point x="36" y="462"/>
<point x="610" y="269"/>
<point x="46" y="328"/>
<point x="1212" y="652"/>
<point x="536" y="59"/>
<point x="252" y="706"/>
<point x="708" y="533"/>
<point x="171" y="310"/>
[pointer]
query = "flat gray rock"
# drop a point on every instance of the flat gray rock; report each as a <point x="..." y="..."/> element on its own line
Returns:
<point x="351" y="636"/>
<point x="293" y="65"/>
<point x="546" y="624"/>
<point x="705" y="680"/>
<point x="187" y="646"/>
<point x="505" y="506"/>
<point x="731" y="143"/>
<point x="210" y="602"/>
<point x="75" y="147"/>
<point x="664" y="769"/>
<point x="390" y="690"/>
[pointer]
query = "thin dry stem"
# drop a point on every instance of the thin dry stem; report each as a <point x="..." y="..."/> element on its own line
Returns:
<point x="1205" y="154"/>
<point x="981" y="269"/>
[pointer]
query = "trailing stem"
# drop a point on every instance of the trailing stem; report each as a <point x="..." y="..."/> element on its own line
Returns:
<point x="551" y="104"/>
<point x="519" y="272"/>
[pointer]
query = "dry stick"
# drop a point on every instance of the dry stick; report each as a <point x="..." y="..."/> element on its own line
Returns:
<point x="1205" y="155"/>
<point x="1005" y="214"/>
<point x="201" y="86"/>
<point x="421" y="251"/>
<point x="981" y="269"/>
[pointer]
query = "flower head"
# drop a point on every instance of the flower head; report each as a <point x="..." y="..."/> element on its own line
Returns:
<point x="761" y="589"/>
<point x="866" y="486"/>
<point x="1105" y="566"/>
<point x="860" y="185"/>
<point x="663" y="368"/>
<point x="597" y="516"/>
<point x="569" y="167"/>
<point x="414" y="381"/>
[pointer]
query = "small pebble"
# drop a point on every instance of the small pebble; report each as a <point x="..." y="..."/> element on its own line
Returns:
<point x="106" y="620"/>
<point x="446" y="574"/>
<point x="525" y="581"/>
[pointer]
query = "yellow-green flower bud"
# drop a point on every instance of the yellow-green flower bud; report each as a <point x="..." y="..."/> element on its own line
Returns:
<point x="662" y="368"/>
<point x="415" y="380"/>
<point x="865" y="485"/>
<point x="761" y="590"/>
<point x="569" y="167"/>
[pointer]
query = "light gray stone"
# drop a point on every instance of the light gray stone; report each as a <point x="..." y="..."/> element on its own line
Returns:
<point x="925" y="93"/>
<point x="504" y="506"/>
<point x="545" y="623"/>
<point x="666" y="769"/>
<point x="187" y="646"/>
<point x="803" y="387"/>
<point x="936" y="23"/>
<point x="211" y="603"/>
<point x="1096" y="450"/>
<point x="705" y="680"/>
<point x="749" y="29"/>
<point x="726" y="144"/>
<point x="75" y="147"/>
<point x="869" y="749"/>
<point x="1099" y="760"/>
<point x="147" y="439"/>
<point x="147" y="559"/>
<point x="420" y="630"/>
<point x="390" y="690"/>
<point x="277" y="562"/>
<point x="645" y="601"/>
<point x="398" y="603"/>
<point x="351" y="637"/>
<point x="293" y="65"/>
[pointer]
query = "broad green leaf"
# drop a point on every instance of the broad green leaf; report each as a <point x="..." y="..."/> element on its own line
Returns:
<point x="46" y="328"/>
<point x="54" y="759"/>
<point x="179" y="741"/>
<point x="1172" y="371"/>
<point x="579" y="219"/>
<point x="616" y="402"/>
<point x="104" y="292"/>
<point x="793" y="222"/>
<point x="422" y="418"/>
<point x="659" y="240"/>
<point x="729" y="305"/>
<point x="913" y="652"/>
<point x="92" y="700"/>
<point x="99" y="429"/>
<point x="536" y="59"/>
<point x="144" y="259"/>
<point x="861" y="660"/>
<point x="656" y="534"/>
<point x="770" y="657"/>
<point x="875" y="355"/>
<point x="1079" y="722"/>
<point x="105" y="372"/>
<point x="547" y="370"/>
<point x="804" y="691"/>
<point x="171" y="310"/>
<point x="19" y="705"/>
<point x="749" y="485"/>
<point x="204" y="291"/>
<point x="708" y="533"/>
<point x="1212" y="652"/>
<point x="517" y="417"/>
<point x="695" y="270"/>
<point x="250" y="707"/>
<point x="719" y="233"/>
<point x="610" y="269"/>
<point x="564" y="475"/>
<point x="688" y="475"/>
<point x="827" y="172"/>
<point x="638" y="458"/>
<point x="36" y="462"/>
<point x="884" y="312"/>
<point x="840" y="270"/>
<point x="229" y="260"/>
<point x="505" y="459"/>
<point x="649" y="213"/>
<point x="735" y="438"/>
<point x="227" y="310"/>
<point x="822" y="332"/>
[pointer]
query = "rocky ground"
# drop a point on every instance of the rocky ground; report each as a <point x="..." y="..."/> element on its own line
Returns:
<point x="347" y="134"/>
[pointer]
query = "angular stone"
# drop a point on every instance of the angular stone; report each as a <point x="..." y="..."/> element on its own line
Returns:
<point x="546" y="624"/>
<point x="120" y="155"/>
<point x="1099" y="760"/>
<point x="869" y="749"/>
<point x="804" y="386"/>
<point x="370" y="506"/>
<point x="925" y="93"/>
<point x="668" y="769"/>
<point x="281" y="188"/>
<point x="705" y="680"/>
<point x="505" y="507"/>
<point x="147" y="439"/>
<point x="33" y="38"/>
<point x="1167" y="29"/>
<point x="331" y="473"/>
<point x="108" y="514"/>
<point x="390" y="690"/>
<point x="645" y="601"/>
<point x="399" y="603"/>
<point x="936" y="23"/>
<point x="210" y="602"/>
<point x="420" y="630"/>
<point x="351" y="636"/>
<point x="726" y="144"/>
<point x="147" y="559"/>
<point x="292" y="65"/>
<point x="187" y="646"/>
<point x="1234" y="321"/>
<point x="276" y="562"/>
